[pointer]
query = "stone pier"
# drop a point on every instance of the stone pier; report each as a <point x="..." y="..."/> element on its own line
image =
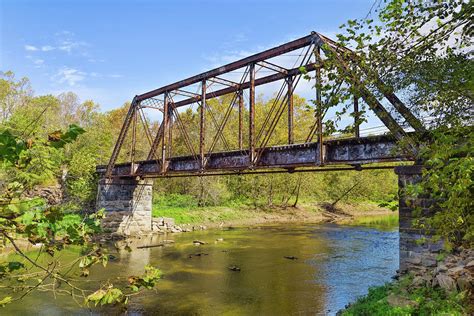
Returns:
<point x="413" y="253"/>
<point x="128" y="205"/>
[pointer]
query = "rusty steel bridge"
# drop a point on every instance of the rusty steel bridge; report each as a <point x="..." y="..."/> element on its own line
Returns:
<point x="253" y="154"/>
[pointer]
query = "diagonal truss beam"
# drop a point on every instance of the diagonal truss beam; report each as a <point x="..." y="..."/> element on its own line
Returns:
<point x="368" y="97"/>
<point x="414" y="122"/>
<point x="271" y="66"/>
<point x="273" y="52"/>
<point x="121" y="137"/>
<point x="246" y="85"/>
<point x="224" y="82"/>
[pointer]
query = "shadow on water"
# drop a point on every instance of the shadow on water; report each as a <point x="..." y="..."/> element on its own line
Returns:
<point x="327" y="267"/>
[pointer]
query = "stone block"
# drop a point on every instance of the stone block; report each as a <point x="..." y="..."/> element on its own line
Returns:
<point x="414" y="255"/>
<point x="168" y="221"/>
<point x="128" y="205"/>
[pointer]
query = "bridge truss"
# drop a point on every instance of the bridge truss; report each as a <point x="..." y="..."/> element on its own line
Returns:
<point x="252" y="149"/>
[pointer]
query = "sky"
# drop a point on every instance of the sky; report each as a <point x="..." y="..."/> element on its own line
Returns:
<point x="109" y="51"/>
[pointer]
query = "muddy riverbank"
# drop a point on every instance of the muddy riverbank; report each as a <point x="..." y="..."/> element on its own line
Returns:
<point x="306" y="213"/>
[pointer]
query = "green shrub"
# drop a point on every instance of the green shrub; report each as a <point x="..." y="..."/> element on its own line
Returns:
<point x="425" y="301"/>
<point x="174" y="200"/>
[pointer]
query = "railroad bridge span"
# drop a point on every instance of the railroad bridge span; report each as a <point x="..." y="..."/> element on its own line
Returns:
<point x="125" y="185"/>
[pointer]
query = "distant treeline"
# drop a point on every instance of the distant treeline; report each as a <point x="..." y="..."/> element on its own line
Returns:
<point x="35" y="118"/>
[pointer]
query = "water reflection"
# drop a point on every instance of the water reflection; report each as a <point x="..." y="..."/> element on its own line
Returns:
<point x="334" y="265"/>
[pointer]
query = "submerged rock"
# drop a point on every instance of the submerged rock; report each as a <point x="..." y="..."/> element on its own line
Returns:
<point x="198" y="254"/>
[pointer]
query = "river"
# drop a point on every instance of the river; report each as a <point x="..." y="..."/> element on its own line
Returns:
<point x="333" y="265"/>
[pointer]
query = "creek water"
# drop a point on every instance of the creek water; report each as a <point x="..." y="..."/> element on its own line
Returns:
<point x="334" y="265"/>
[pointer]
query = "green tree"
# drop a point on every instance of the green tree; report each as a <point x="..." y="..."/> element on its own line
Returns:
<point x="422" y="50"/>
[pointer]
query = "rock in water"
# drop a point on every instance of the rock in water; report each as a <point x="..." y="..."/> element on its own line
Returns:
<point x="198" y="254"/>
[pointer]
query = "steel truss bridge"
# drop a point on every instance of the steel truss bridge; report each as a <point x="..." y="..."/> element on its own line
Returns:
<point x="254" y="154"/>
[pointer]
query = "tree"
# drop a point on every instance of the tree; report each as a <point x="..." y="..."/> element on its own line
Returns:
<point x="13" y="93"/>
<point x="422" y="50"/>
<point x="37" y="222"/>
<point x="40" y="143"/>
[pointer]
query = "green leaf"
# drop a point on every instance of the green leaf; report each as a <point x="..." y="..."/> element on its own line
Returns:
<point x="96" y="297"/>
<point x="59" y="139"/>
<point x="6" y="300"/>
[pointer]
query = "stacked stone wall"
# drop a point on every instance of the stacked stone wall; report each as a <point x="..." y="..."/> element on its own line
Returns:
<point x="413" y="252"/>
<point x="128" y="205"/>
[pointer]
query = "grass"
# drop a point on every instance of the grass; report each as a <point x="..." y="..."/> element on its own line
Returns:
<point x="384" y="221"/>
<point x="425" y="301"/>
<point x="198" y="215"/>
<point x="184" y="209"/>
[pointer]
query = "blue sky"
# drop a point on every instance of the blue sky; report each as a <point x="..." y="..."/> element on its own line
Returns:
<point x="109" y="51"/>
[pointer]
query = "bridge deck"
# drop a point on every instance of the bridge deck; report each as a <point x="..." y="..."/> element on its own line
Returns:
<point x="350" y="151"/>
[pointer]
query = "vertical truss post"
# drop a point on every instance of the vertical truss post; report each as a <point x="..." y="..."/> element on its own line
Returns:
<point x="356" y="116"/>
<point x="241" y="118"/>
<point x="202" y="123"/>
<point x="289" y="81"/>
<point x="319" y="111"/>
<point x="134" y="140"/>
<point x="170" y="130"/>
<point x="252" y="114"/>
<point x="164" y="136"/>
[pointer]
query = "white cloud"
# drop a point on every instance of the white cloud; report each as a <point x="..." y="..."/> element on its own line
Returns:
<point x="93" y="60"/>
<point x="47" y="48"/>
<point x="31" y="48"/>
<point x="69" y="45"/>
<point x="38" y="62"/>
<point x="64" y="33"/>
<point x="71" y="76"/>
<point x="63" y="42"/>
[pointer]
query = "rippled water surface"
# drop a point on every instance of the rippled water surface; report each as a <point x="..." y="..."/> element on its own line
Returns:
<point x="334" y="265"/>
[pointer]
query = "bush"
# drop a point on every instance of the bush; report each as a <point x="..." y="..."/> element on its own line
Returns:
<point x="174" y="200"/>
<point x="425" y="301"/>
